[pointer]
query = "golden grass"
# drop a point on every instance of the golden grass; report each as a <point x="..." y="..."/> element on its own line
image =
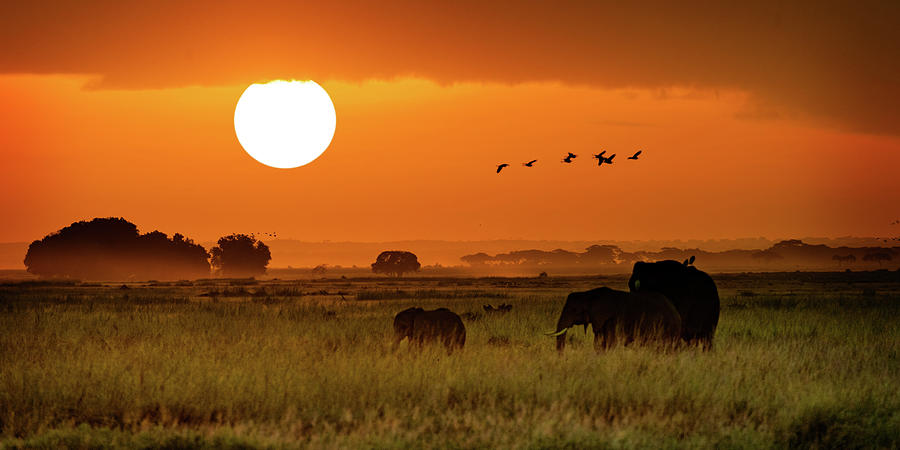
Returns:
<point x="162" y="367"/>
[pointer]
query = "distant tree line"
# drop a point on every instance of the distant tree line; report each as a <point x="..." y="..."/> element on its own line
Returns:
<point x="785" y="254"/>
<point x="112" y="248"/>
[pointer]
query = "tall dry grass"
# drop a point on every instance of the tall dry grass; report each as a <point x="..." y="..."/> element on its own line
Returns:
<point x="97" y="366"/>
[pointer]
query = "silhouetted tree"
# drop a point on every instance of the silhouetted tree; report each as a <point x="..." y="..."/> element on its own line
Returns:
<point x="111" y="248"/>
<point x="600" y="254"/>
<point x="396" y="263"/>
<point x="841" y="259"/>
<point x="240" y="255"/>
<point x="319" y="271"/>
<point x="878" y="257"/>
<point x="790" y="243"/>
<point x="476" y="259"/>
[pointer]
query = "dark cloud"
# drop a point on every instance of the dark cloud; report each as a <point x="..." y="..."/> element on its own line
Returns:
<point x="835" y="61"/>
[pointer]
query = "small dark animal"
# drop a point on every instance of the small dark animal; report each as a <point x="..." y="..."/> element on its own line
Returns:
<point x="609" y="160"/>
<point x="645" y="317"/>
<point x="530" y="163"/>
<point x="600" y="158"/>
<point x="501" y="166"/>
<point x="568" y="159"/>
<point x="503" y="308"/>
<point x="471" y="316"/>
<point x="421" y="326"/>
<point x="635" y="156"/>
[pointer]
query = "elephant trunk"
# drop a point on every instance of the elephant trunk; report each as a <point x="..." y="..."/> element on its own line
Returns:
<point x="567" y="319"/>
<point x="561" y="342"/>
<point x="561" y="328"/>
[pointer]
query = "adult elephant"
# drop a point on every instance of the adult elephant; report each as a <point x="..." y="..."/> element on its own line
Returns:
<point x="692" y="291"/>
<point x="613" y="315"/>
<point x="421" y="326"/>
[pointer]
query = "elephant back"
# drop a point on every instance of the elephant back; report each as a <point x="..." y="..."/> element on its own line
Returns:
<point x="440" y="325"/>
<point x="692" y="292"/>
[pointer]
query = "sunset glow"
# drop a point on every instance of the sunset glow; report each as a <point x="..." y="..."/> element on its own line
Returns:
<point x="284" y="124"/>
<point x="426" y="116"/>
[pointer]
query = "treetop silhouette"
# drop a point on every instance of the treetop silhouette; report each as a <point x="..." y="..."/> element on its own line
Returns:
<point x="112" y="248"/>
<point x="240" y="255"/>
<point x="396" y="263"/>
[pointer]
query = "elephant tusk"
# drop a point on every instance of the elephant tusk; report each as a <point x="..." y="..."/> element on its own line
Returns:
<point x="557" y="333"/>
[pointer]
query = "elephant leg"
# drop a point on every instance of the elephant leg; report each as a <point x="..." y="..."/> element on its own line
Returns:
<point x="630" y="333"/>
<point x="612" y="335"/>
<point x="604" y="339"/>
<point x="419" y="340"/>
<point x="706" y="342"/>
<point x="447" y="341"/>
<point x="454" y="343"/>
<point x="396" y="342"/>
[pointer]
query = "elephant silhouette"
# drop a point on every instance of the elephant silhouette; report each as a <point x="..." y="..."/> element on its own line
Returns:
<point x="421" y="327"/>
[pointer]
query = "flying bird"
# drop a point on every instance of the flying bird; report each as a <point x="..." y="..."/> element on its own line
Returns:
<point x="568" y="159"/>
<point x="530" y="163"/>
<point x="635" y="156"/>
<point x="600" y="158"/>
<point x="501" y="166"/>
<point x="609" y="160"/>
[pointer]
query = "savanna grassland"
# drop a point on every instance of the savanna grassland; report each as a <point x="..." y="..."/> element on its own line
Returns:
<point x="799" y="360"/>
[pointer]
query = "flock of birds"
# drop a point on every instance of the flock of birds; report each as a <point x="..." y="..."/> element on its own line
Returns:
<point x="600" y="157"/>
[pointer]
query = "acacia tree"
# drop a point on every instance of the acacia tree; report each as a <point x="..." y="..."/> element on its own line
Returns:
<point x="240" y="255"/>
<point x="844" y="259"/>
<point x="878" y="257"/>
<point x="320" y="270"/>
<point x="396" y="263"/>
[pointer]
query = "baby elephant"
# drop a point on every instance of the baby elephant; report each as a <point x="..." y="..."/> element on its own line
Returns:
<point x="422" y="326"/>
<point x="645" y="317"/>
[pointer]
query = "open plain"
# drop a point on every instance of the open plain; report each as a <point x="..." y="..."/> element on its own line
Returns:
<point x="800" y="359"/>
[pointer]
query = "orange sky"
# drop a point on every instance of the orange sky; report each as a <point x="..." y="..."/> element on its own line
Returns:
<point x="759" y="120"/>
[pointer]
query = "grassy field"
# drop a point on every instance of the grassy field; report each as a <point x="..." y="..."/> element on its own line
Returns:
<point x="800" y="360"/>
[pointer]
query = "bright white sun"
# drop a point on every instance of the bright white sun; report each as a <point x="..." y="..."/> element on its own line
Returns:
<point x="284" y="124"/>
